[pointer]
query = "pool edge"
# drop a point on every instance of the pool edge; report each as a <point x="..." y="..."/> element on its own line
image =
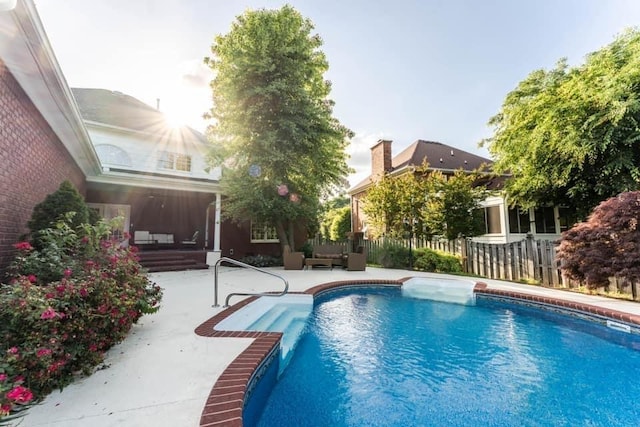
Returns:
<point x="226" y="400"/>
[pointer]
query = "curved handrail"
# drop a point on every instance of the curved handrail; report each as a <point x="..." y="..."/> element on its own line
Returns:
<point x="242" y="264"/>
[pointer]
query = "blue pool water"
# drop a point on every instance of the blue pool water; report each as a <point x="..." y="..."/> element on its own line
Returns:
<point x="375" y="358"/>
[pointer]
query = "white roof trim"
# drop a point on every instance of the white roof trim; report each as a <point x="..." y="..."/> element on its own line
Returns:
<point x="27" y="53"/>
<point x="146" y="181"/>
<point x="7" y="5"/>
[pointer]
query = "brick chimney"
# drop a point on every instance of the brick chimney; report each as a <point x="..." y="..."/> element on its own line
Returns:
<point x="380" y="158"/>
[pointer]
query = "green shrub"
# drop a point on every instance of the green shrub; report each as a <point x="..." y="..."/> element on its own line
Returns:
<point x="262" y="260"/>
<point x="341" y="224"/>
<point x="393" y="255"/>
<point x="425" y="259"/>
<point x="59" y="250"/>
<point x="15" y="398"/>
<point x="307" y="249"/>
<point x="56" y="205"/>
<point x="52" y="330"/>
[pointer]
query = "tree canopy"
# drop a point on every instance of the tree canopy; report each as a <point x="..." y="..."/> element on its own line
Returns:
<point x="569" y="136"/>
<point x="273" y="126"/>
<point x="424" y="203"/>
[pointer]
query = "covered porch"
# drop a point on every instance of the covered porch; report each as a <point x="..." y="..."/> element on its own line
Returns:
<point x="162" y="219"/>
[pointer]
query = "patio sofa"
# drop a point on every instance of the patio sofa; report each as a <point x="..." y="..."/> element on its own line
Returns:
<point x="141" y="238"/>
<point x="336" y="253"/>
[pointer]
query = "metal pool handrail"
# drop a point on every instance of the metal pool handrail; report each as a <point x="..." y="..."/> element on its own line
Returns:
<point x="242" y="264"/>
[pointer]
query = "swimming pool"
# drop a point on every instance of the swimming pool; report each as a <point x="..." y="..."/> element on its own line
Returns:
<point x="445" y="405"/>
<point x="376" y="358"/>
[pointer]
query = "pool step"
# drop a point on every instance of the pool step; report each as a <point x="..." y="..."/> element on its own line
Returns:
<point x="285" y="319"/>
<point x="294" y="330"/>
<point x="290" y="321"/>
<point x="267" y="319"/>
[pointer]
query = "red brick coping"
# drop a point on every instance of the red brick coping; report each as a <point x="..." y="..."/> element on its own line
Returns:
<point x="227" y="397"/>
<point x="633" y="319"/>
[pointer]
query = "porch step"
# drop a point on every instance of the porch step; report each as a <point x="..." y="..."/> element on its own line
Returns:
<point x="173" y="260"/>
<point x="181" y="267"/>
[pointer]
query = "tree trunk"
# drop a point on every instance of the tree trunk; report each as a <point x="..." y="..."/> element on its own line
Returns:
<point x="282" y="235"/>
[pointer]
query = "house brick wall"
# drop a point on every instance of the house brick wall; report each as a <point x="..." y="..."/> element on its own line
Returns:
<point x="380" y="158"/>
<point x="33" y="163"/>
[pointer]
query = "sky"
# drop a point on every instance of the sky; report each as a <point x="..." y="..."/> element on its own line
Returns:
<point x="402" y="70"/>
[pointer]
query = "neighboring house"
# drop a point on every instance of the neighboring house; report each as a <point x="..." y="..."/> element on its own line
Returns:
<point x="119" y="152"/>
<point x="502" y="223"/>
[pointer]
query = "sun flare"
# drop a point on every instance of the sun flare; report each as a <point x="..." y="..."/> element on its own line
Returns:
<point x="176" y="119"/>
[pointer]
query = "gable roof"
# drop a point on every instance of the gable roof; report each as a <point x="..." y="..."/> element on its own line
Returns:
<point x="439" y="156"/>
<point x="117" y="109"/>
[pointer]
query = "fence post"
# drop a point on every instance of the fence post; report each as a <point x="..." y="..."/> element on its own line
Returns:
<point x="532" y="255"/>
<point x="463" y="253"/>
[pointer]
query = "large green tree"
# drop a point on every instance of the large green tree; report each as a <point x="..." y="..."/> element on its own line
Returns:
<point x="273" y="125"/>
<point x="393" y="205"/>
<point x="458" y="199"/>
<point x="571" y="136"/>
<point x="425" y="203"/>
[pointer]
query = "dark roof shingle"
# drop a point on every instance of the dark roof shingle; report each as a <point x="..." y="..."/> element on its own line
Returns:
<point x="437" y="155"/>
<point x="118" y="109"/>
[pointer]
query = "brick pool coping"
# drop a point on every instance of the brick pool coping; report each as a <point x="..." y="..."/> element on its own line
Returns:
<point x="227" y="397"/>
<point x="634" y="319"/>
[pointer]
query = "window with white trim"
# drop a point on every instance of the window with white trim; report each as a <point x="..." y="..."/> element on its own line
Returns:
<point x="262" y="232"/>
<point x="490" y="215"/>
<point x="567" y="218"/>
<point x="112" y="155"/>
<point x="519" y="221"/>
<point x="174" y="161"/>
<point x="545" y="220"/>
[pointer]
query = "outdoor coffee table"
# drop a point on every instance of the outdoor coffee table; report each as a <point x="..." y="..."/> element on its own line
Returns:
<point x="317" y="261"/>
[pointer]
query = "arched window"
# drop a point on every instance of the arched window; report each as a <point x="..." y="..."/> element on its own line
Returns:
<point x="112" y="155"/>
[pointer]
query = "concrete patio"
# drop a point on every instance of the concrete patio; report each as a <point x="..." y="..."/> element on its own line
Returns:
<point x="163" y="372"/>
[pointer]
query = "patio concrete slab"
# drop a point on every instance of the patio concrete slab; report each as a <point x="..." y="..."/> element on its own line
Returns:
<point x="162" y="373"/>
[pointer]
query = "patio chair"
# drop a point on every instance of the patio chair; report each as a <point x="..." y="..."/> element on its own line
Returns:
<point x="192" y="241"/>
<point x="357" y="261"/>
<point x="292" y="260"/>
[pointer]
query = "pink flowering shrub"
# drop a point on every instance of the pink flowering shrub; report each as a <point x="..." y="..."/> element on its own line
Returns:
<point x="606" y="245"/>
<point x="14" y="396"/>
<point x="53" y="330"/>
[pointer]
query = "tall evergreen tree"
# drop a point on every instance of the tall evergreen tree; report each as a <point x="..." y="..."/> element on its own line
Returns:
<point x="62" y="201"/>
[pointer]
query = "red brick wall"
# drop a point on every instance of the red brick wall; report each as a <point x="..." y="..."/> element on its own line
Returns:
<point x="380" y="158"/>
<point x="33" y="163"/>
